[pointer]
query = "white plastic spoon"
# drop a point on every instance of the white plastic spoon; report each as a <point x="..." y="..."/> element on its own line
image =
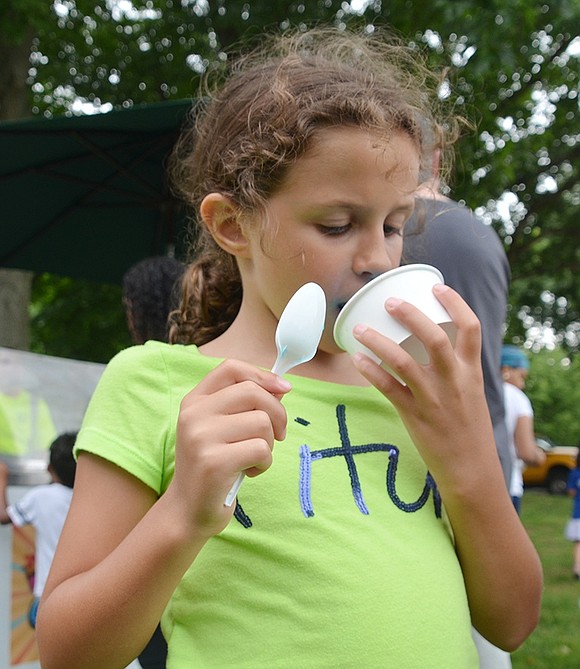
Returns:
<point x="297" y="337"/>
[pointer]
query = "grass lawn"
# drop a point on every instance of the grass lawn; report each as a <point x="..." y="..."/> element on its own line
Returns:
<point x="555" y="644"/>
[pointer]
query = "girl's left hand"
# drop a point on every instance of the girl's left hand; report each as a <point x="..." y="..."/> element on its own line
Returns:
<point x="443" y="403"/>
<point x="444" y="409"/>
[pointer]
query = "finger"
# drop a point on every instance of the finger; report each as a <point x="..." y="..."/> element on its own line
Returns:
<point x="226" y="443"/>
<point x="380" y="377"/>
<point x="393" y="357"/>
<point x="434" y="339"/>
<point x="231" y="372"/>
<point x="468" y="338"/>
<point x="255" y="456"/>
<point x="246" y="396"/>
<point x="225" y="430"/>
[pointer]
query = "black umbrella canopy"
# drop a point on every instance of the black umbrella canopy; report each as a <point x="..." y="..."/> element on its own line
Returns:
<point x="87" y="196"/>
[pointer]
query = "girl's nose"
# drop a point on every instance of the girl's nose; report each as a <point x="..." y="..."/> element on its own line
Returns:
<point x="377" y="254"/>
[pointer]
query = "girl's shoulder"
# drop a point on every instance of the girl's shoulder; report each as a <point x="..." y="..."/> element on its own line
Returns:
<point x="159" y="355"/>
<point x="154" y="365"/>
<point x="151" y="350"/>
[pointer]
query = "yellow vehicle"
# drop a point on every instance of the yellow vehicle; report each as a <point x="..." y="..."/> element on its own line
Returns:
<point x="553" y="474"/>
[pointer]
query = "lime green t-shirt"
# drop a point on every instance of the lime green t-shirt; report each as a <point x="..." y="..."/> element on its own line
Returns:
<point x="337" y="556"/>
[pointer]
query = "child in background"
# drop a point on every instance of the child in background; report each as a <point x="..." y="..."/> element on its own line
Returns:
<point x="573" y="525"/>
<point x="45" y="508"/>
<point x="379" y="528"/>
<point x="519" y="419"/>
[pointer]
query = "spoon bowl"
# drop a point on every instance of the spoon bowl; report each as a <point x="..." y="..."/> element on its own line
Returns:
<point x="297" y="338"/>
<point x="300" y="328"/>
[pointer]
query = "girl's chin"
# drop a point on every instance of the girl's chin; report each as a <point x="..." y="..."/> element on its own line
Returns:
<point x="329" y="346"/>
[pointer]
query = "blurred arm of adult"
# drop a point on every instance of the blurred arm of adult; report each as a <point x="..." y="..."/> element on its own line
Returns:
<point x="471" y="257"/>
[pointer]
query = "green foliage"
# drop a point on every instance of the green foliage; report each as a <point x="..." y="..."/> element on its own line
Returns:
<point x="77" y="319"/>
<point x="555" y="643"/>
<point x="554" y="390"/>
<point x="512" y="70"/>
<point x="19" y="17"/>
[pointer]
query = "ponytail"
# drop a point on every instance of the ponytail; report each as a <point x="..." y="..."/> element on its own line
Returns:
<point x="211" y="294"/>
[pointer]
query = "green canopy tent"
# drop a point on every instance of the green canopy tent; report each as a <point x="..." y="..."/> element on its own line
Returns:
<point x="87" y="196"/>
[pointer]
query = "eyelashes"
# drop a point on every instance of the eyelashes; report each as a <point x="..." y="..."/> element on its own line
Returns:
<point x="337" y="230"/>
<point x="334" y="230"/>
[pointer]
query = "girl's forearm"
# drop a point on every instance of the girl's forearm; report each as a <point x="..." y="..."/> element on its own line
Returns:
<point x="501" y="567"/>
<point x="111" y="610"/>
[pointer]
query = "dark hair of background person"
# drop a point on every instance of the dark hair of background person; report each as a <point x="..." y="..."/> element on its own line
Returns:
<point x="61" y="461"/>
<point x="150" y="293"/>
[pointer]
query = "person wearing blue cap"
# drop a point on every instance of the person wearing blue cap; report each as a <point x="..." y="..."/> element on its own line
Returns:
<point x="514" y="358"/>
<point x="519" y="417"/>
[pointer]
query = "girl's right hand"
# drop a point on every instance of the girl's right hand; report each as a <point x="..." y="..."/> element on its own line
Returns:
<point x="227" y="424"/>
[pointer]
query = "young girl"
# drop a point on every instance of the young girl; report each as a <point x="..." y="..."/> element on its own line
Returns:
<point x="378" y="529"/>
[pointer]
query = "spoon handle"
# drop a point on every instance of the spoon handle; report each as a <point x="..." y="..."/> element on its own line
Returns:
<point x="278" y="368"/>
<point x="231" y="496"/>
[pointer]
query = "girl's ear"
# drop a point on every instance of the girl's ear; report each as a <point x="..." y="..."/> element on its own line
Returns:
<point x="220" y="216"/>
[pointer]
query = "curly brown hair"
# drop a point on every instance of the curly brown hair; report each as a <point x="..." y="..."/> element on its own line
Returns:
<point x="251" y="129"/>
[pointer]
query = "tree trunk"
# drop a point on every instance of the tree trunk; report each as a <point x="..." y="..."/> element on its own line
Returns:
<point x="15" y="59"/>
<point x="14" y="300"/>
<point x="15" y="285"/>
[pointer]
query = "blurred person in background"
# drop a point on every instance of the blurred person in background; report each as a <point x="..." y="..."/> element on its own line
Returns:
<point x="150" y="293"/>
<point x="471" y="257"/>
<point x="519" y="417"/>
<point x="26" y="424"/>
<point x="45" y="507"/>
<point x="573" y="527"/>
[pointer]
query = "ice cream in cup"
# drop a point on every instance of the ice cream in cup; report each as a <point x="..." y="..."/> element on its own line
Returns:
<point x="410" y="283"/>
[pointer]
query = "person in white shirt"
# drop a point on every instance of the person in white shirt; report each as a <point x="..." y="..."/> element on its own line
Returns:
<point x="45" y="507"/>
<point x="519" y="418"/>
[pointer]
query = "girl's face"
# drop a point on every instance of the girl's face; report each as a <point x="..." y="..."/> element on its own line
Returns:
<point x="337" y="219"/>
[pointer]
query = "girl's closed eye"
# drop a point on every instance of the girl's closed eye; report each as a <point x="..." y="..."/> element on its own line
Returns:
<point x="392" y="230"/>
<point x="328" y="229"/>
<point x="338" y="223"/>
<point x="332" y="230"/>
<point x="395" y="223"/>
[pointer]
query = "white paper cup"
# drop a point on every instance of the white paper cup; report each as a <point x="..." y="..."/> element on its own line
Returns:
<point x="411" y="283"/>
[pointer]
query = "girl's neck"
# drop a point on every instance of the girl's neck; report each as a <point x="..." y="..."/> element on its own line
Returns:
<point x="250" y="339"/>
<point x="253" y="341"/>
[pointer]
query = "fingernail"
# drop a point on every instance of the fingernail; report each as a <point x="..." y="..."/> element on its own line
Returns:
<point x="359" y="329"/>
<point x="284" y="385"/>
<point x="393" y="302"/>
<point x="440" y="288"/>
